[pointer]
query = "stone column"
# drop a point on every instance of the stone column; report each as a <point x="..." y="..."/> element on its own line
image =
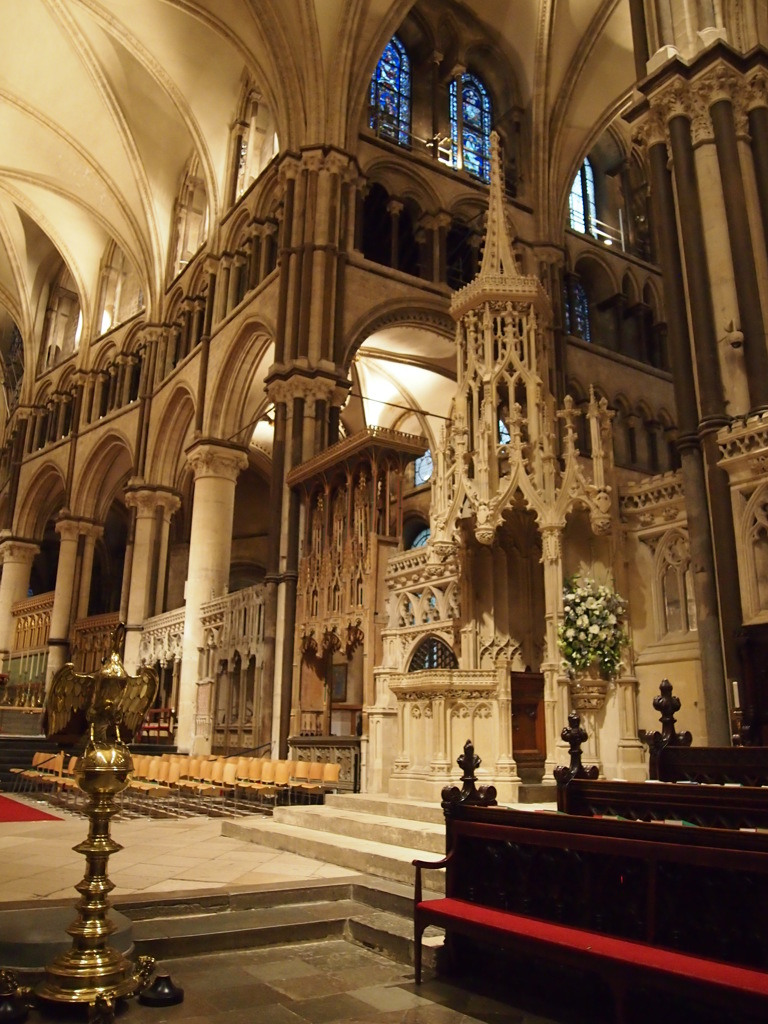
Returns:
<point x="394" y="209"/>
<point x="90" y="535"/>
<point x="700" y="409"/>
<point x="723" y="86"/>
<point x="216" y="466"/>
<point x="556" y="699"/>
<point x="757" y="106"/>
<point x="167" y="504"/>
<point x="61" y="615"/>
<point x="17" y="557"/>
<point x="154" y="507"/>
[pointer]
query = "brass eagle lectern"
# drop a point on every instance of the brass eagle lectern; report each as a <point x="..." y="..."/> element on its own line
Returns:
<point x="104" y="709"/>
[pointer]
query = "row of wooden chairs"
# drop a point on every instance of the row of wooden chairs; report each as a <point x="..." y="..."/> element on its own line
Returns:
<point x="179" y="784"/>
<point x="41" y="775"/>
<point x="183" y="784"/>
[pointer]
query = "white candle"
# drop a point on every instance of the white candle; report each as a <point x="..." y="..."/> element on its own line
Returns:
<point x="735" y="685"/>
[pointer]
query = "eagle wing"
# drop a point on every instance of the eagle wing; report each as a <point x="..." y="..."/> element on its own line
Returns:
<point x="64" y="718"/>
<point x="136" y="698"/>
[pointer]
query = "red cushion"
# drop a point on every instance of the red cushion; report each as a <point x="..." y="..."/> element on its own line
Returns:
<point x="623" y="951"/>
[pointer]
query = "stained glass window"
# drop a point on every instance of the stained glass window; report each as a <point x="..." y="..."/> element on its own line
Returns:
<point x="471" y="126"/>
<point x="421" y="538"/>
<point x="390" y="99"/>
<point x="432" y="653"/>
<point x="422" y="468"/>
<point x="582" y="214"/>
<point x="504" y="437"/>
<point x="579" y="318"/>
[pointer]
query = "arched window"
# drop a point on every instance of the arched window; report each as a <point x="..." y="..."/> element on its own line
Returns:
<point x="421" y="538"/>
<point x="390" y="99"/>
<point x="422" y="468"/>
<point x="674" y="580"/>
<point x="582" y="213"/>
<point x="254" y="138"/>
<point x="471" y="127"/>
<point x="576" y="303"/>
<point x="432" y="653"/>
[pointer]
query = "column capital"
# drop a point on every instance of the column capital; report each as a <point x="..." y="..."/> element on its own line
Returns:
<point x="16" y="549"/>
<point x="651" y="130"/>
<point x="757" y="89"/>
<point x="68" y="527"/>
<point x="289" y="169"/>
<point x="146" y="499"/>
<point x="299" y="386"/>
<point x="210" y="457"/>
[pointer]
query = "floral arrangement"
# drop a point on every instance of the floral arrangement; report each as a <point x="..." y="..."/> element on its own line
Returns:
<point x="592" y="629"/>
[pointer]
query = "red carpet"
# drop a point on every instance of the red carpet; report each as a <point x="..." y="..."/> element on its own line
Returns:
<point x="14" y="810"/>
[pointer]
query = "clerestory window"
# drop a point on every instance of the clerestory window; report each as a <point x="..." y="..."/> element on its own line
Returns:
<point x="390" y="96"/>
<point x="582" y="212"/>
<point x="470" y="108"/>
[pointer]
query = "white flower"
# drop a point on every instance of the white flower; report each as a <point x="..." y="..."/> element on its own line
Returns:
<point x="591" y="630"/>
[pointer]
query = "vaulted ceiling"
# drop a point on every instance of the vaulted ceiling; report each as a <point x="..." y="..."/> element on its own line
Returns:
<point x="103" y="102"/>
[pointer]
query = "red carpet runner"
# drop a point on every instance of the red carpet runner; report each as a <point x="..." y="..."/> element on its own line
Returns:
<point x="14" y="810"/>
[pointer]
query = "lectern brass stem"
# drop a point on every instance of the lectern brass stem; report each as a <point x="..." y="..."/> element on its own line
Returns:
<point x="92" y="968"/>
<point x="108" y="706"/>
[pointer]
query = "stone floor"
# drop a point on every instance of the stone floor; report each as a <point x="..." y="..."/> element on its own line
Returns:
<point x="310" y="983"/>
<point x="158" y="856"/>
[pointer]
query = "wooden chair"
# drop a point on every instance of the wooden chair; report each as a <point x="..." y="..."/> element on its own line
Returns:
<point x="66" y="782"/>
<point x="49" y="770"/>
<point x="314" y="784"/>
<point x="331" y="773"/>
<point x="31" y="775"/>
<point x="262" y="787"/>
<point x="248" y="781"/>
<point x="228" y="784"/>
<point x="163" y="789"/>
<point x="299" y="777"/>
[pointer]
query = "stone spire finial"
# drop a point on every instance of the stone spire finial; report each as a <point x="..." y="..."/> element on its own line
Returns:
<point x="498" y="260"/>
<point x="498" y="279"/>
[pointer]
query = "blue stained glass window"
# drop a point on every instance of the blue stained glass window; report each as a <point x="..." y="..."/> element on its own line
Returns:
<point x="471" y="127"/>
<point x="504" y="437"/>
<point x="390" y="98"/>
<point x="582" y="213"/>
<point x="421" y="538"/>
<point x="579" y="318"/>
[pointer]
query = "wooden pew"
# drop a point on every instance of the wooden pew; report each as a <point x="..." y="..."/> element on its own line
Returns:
<point x="711" y="806"/>
<point x="674" y="759"/>
<point x="741" y="807"/>
<point x="637" y="903"/>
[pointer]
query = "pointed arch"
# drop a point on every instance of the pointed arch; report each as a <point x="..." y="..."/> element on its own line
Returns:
<point x="44" y="496"/>
<point x="172" y="434"/>
<point x="103" y="477"/>
<point x="238" y="394"/>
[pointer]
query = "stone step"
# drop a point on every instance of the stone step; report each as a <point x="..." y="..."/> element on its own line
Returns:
<point x="191" y="934"/>
<point x="372" y="912"/>
<point x="366" y="856"/>
<point x="340" y="819"/>
<point x="381" y="804"/>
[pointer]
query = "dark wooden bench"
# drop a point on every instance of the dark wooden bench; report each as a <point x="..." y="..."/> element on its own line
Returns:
<point x="712" y="806"/>
<point x="666" y="907"/>
<point x="740" y="807"/>
<point x="672" y="758"/>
